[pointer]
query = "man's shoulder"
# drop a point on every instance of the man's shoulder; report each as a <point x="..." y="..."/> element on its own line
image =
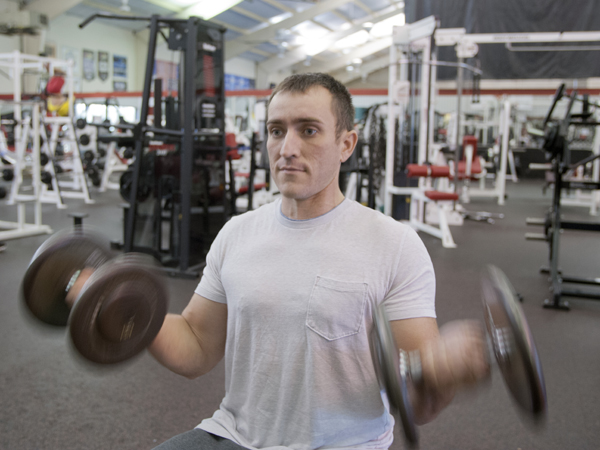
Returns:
<point x="255" y="216"/>
<point x="375" y="219"/>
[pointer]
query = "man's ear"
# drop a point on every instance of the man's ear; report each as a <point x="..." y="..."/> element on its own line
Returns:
<point x="349" y="141"/>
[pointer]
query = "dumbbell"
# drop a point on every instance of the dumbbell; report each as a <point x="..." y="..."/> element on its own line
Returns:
<point x="94" y="175"/>
<point x="88" y="156"/>
<point x="84" y="139"/>
<point x="81" y="123"/>
<point x="3" y="192"/>
<point x="128" y="153"/>
<point x="510" y="341"/>
<point x="46" y="177"/>
<point x="44" y="159"/>
<point x="8" y="174"/>
<point x="118" y="311"/>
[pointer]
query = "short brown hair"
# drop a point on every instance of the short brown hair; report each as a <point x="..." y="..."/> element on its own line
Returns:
<point x="341" y="102"/>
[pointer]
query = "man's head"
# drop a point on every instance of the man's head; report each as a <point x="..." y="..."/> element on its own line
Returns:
<point x="307" y="142"/>
<point x="341" y="103"/>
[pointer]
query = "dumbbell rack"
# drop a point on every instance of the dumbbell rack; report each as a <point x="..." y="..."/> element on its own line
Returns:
<point x="77" y="187"/>
<point x="112" y="163"/>
<point x="20" y="228"/>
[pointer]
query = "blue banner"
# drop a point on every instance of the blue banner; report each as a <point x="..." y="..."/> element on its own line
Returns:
<point x="237" y="83"/>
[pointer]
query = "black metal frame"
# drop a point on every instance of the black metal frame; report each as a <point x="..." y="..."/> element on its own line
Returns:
<point x="557" y="147"/>
<point x="186" y="40"/>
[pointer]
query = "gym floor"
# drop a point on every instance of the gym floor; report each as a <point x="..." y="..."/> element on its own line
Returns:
<point x="53" y="400"/>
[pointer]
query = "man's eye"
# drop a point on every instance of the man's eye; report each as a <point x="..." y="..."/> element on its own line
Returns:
<point x="310" y="131"/>
<point x="275" y="132"/>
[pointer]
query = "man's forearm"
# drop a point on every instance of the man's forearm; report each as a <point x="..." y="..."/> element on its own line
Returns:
<point x="455" y="360"/>
<point x="177" y="348"/>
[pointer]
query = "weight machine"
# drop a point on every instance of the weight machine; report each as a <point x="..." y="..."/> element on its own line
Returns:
<point x="557" y="147"/>
<point x="21" y="228"/>
<point x="178" y="197"/>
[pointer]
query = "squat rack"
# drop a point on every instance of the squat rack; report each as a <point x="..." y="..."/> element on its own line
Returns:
<point x="555" y="143"/>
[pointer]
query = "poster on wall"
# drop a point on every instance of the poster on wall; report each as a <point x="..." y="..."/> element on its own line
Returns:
<point x="71" y="54"/>
<point x="119" y="86"/>
<point x="103" y="65"/>
<point x="119" y="66"/>
<point x="88" y="65"/>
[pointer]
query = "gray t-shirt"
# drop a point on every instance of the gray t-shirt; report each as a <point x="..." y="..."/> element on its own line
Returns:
<point x="300" y="296"/>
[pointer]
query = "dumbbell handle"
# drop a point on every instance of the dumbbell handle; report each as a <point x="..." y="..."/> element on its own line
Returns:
<point x="75" y="284"/>
<point x="410" y="362"/>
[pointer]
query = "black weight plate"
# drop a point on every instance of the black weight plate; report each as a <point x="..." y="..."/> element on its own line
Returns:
<point x="392" y="373"/>
<point x="128" y="276"/>
<point x="513" y="344"/>
<point x="53" y="265"/>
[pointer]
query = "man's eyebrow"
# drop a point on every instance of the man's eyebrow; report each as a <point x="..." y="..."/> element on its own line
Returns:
<point x="299" y="120"/>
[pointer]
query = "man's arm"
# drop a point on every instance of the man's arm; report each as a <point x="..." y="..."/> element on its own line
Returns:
<point x="192" y="343"/>
<point x="450" y="359"/>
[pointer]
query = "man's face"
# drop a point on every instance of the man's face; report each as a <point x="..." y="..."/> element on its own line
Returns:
<point x="304" y="154"/>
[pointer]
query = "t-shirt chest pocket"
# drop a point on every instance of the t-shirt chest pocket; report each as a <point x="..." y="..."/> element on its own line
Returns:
<point x="336" y="308"/>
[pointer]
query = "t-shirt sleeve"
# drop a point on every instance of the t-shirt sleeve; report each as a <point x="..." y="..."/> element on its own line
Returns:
<point x="412" y="293"/>
<point x="210" y="285"/>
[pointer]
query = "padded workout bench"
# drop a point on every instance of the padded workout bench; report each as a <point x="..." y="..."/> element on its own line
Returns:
<point x="422" y="195"/>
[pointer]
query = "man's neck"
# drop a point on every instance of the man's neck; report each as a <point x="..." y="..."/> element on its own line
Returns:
<point x="310" y="208"/>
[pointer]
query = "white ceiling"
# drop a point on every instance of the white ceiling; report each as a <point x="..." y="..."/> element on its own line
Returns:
<point x="347" y="36"/>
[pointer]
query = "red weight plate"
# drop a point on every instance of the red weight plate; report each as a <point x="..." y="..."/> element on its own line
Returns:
<point x="119" y="312"/>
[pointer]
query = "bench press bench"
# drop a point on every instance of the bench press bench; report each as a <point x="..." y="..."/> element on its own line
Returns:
<point x="423" y="195"/>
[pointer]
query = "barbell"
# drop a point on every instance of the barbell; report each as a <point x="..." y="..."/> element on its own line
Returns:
<point x="118" y="311"/>
<point x="510" y="341"/>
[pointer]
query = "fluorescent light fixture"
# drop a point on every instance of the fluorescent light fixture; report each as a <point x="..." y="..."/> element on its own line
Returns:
<point x="354" y="40"/>
<point x="384" y="28"/>
<point x="346" y="26"/>
<point x="316" y="46"/>
<point x="280" y="17"/>
<point x="368" y="25"/>
<point x="183" y="3"/>
<point x="349" y="68"/>
<point x="357" y="61"/>
<point x="207" y="9"/>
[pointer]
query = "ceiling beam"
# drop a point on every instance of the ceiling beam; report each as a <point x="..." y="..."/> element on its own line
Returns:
<point x="361" y="52"/>
<point x="166" y="5"/>
<point x="239" y="45"/>
<point x="299" y="54"/>
<point x="243" y="12"/>
<point x="364" y="70"/>
<point x="229" y="26"/>
<point x="362" y="5"/>
<point x="280" y="6"/>
<point x="107" y="8"/>
<point x="52" y="8"/>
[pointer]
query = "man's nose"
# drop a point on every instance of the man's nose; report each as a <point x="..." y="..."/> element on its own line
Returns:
<point x="291" y="145"/>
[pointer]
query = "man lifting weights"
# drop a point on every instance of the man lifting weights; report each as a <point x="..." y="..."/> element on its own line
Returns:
<point x="295" y="329"/>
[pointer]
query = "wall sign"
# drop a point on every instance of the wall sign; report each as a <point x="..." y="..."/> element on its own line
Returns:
<point x="103" y="65"/>
<point x="88" y="65"/>
<point x="119" y="66"/>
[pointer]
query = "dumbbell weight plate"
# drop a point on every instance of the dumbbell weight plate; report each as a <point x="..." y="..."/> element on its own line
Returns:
<point x="391" y="369"/>
<point x="52" y="268"/>
<point x="120" y="310"/>
<point x="512" y="343"/>
<point x="84" y="140"/>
